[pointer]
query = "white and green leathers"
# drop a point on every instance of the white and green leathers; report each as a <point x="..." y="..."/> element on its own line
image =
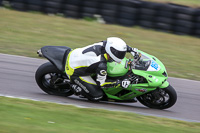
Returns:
<point x="88" y="60"/>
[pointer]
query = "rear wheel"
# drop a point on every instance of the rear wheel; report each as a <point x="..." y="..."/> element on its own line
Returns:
<point x="160" y="98"/>
<point x="52" y="81"/>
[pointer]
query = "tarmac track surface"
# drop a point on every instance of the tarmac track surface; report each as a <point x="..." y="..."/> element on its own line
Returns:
<point x="17" y="80"/>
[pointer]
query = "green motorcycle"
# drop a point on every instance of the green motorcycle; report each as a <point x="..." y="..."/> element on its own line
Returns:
<point x="147" y="74"/>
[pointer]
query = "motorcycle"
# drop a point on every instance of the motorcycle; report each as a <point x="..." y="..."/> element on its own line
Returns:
<point x="147" y="74"/>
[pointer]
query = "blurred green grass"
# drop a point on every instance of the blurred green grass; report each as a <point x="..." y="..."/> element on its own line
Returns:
<point x="191" y="3"/>
<point x="23" y="33"/>
<point x="26" y="116"/>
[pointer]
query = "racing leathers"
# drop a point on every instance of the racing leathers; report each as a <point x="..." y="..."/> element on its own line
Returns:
<point x="83" y="62"/>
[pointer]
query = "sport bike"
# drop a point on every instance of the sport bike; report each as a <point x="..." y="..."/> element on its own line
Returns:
<point x="147" y="77"/>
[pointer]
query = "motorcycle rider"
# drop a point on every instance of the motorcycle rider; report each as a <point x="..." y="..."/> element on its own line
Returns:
<point x="92" y="59"/>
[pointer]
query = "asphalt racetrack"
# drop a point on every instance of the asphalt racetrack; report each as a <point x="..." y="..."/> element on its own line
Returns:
<point x="17" y="80"/>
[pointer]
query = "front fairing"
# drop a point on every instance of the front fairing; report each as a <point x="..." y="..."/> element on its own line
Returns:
<point x="154" y="71"/>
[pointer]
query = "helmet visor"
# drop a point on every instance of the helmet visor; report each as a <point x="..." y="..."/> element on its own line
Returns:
<point x="117" y="53"/>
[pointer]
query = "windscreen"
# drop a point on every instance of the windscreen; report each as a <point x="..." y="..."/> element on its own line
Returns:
<point x="147" y="64"/>
<point x="143" y="63"/>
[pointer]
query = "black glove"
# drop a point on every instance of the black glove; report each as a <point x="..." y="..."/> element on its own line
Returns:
<point x="134" y="52"/>
<point x="130" y="49"/>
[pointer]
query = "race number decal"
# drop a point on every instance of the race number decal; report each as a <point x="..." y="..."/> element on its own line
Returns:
<point x="125" y="83"/>
<point x="154" y="65"/>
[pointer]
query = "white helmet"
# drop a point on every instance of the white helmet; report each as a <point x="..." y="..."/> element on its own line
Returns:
<point x="116" y="48"/>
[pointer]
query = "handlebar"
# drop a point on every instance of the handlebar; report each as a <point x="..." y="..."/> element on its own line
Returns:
<point x="133" y="62"/>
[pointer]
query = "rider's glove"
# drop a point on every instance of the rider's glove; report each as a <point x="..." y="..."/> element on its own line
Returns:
<point x="133" y="51"/>
<point x="130" y="49"/>
<point x="122" y="83"/>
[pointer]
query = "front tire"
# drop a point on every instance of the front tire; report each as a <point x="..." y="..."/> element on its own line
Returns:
<point x="52" y="81"/>
<point x="160" y="98"/>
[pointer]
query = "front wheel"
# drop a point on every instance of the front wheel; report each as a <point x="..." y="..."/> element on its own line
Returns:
<point x="160" y="98"/>
<point x="52" y="81"/>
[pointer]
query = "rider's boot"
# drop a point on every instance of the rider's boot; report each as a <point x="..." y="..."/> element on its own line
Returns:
<point x="76" y="89"/>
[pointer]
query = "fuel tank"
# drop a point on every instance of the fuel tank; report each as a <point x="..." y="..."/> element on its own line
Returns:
<point x="117" y="69"/>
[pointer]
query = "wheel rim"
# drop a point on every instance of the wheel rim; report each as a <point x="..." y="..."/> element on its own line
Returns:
<point x="163" y="98"/>
<point x="54" y="83"/>
<point x="156" y="99"/>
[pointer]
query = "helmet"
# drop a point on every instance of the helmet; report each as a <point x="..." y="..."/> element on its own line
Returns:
<point x="116" y="48"/>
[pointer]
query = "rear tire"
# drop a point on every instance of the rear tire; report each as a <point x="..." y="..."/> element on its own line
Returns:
<point x="160" y="98"/>
<point x="52" y="81"/>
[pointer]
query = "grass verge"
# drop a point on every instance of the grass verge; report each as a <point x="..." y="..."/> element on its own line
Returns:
<point x="26" y="116"/>
<point x="191" y="3"/>
<point x="23" y="33"/>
